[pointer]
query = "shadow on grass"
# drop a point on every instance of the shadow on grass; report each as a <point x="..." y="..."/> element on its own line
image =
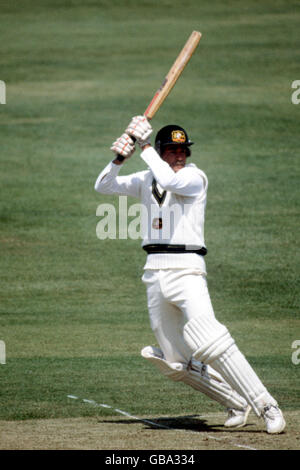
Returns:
<point x="192" y="423"/>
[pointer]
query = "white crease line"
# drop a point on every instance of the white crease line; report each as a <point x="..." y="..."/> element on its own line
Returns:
<point x="125" y="413"/>
<point x="103" y="405"/>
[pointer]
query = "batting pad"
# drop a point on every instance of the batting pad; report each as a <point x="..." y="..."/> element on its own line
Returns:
<point x="212" y="344"/>
<point x="207" y="338"/>
<point x="173" y="370"/>
<point x="198" y="376"/>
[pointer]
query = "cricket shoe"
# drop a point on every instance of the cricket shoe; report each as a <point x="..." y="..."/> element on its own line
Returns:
<point x="274" y="419"/>
<point x="237" y="418"/>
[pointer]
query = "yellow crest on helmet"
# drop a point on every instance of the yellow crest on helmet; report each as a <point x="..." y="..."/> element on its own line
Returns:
<point x="178" y="136"/>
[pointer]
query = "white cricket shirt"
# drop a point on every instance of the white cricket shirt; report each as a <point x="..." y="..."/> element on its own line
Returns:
<point x="173" y="207"/>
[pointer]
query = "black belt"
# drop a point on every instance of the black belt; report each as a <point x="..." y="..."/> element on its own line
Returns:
<point x="161" y="248"/>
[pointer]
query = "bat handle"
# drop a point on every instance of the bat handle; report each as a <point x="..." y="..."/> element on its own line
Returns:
<point x="120" y="157"/>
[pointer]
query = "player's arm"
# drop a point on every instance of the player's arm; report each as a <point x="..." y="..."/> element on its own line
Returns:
<point x="189" y="181"/>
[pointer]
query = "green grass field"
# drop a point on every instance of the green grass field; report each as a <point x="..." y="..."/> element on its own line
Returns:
<point x="73" y="308"/>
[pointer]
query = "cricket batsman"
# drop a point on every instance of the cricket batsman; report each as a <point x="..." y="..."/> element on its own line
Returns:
<point x="194" y="347"/>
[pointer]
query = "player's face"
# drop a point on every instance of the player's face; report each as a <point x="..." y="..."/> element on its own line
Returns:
<point x="175" y="155"/>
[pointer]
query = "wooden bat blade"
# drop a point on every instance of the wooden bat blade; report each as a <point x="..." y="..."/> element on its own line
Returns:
<point x="173" y="74"/>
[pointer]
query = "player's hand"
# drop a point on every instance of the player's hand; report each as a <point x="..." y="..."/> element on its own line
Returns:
<point x="140" y="129"/>
<point x="123" y="146"/>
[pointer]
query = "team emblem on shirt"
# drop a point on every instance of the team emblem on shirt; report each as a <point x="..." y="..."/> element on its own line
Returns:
<point x="178" y="136"/>
<point x="157" y="223"/>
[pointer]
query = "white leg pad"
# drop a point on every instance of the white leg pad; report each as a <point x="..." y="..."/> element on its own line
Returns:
<point x="238" y="372"/>
<point x="198" y="376"/>
<point x="173" y="370"/>
<point x="207" y="338"/>
<point x="212" y="344"/>
<point x="208" y="381"/>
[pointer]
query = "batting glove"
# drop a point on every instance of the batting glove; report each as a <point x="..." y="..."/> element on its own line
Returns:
<point x="123" y="146"/>
<point x="140" y="129"/>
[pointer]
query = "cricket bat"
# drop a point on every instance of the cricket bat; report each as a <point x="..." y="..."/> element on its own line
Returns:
<point x="173" y="74"/>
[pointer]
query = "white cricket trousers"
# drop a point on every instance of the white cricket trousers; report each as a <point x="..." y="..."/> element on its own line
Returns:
<point x="175" y="296"/>
<point x="179" y="296"/>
